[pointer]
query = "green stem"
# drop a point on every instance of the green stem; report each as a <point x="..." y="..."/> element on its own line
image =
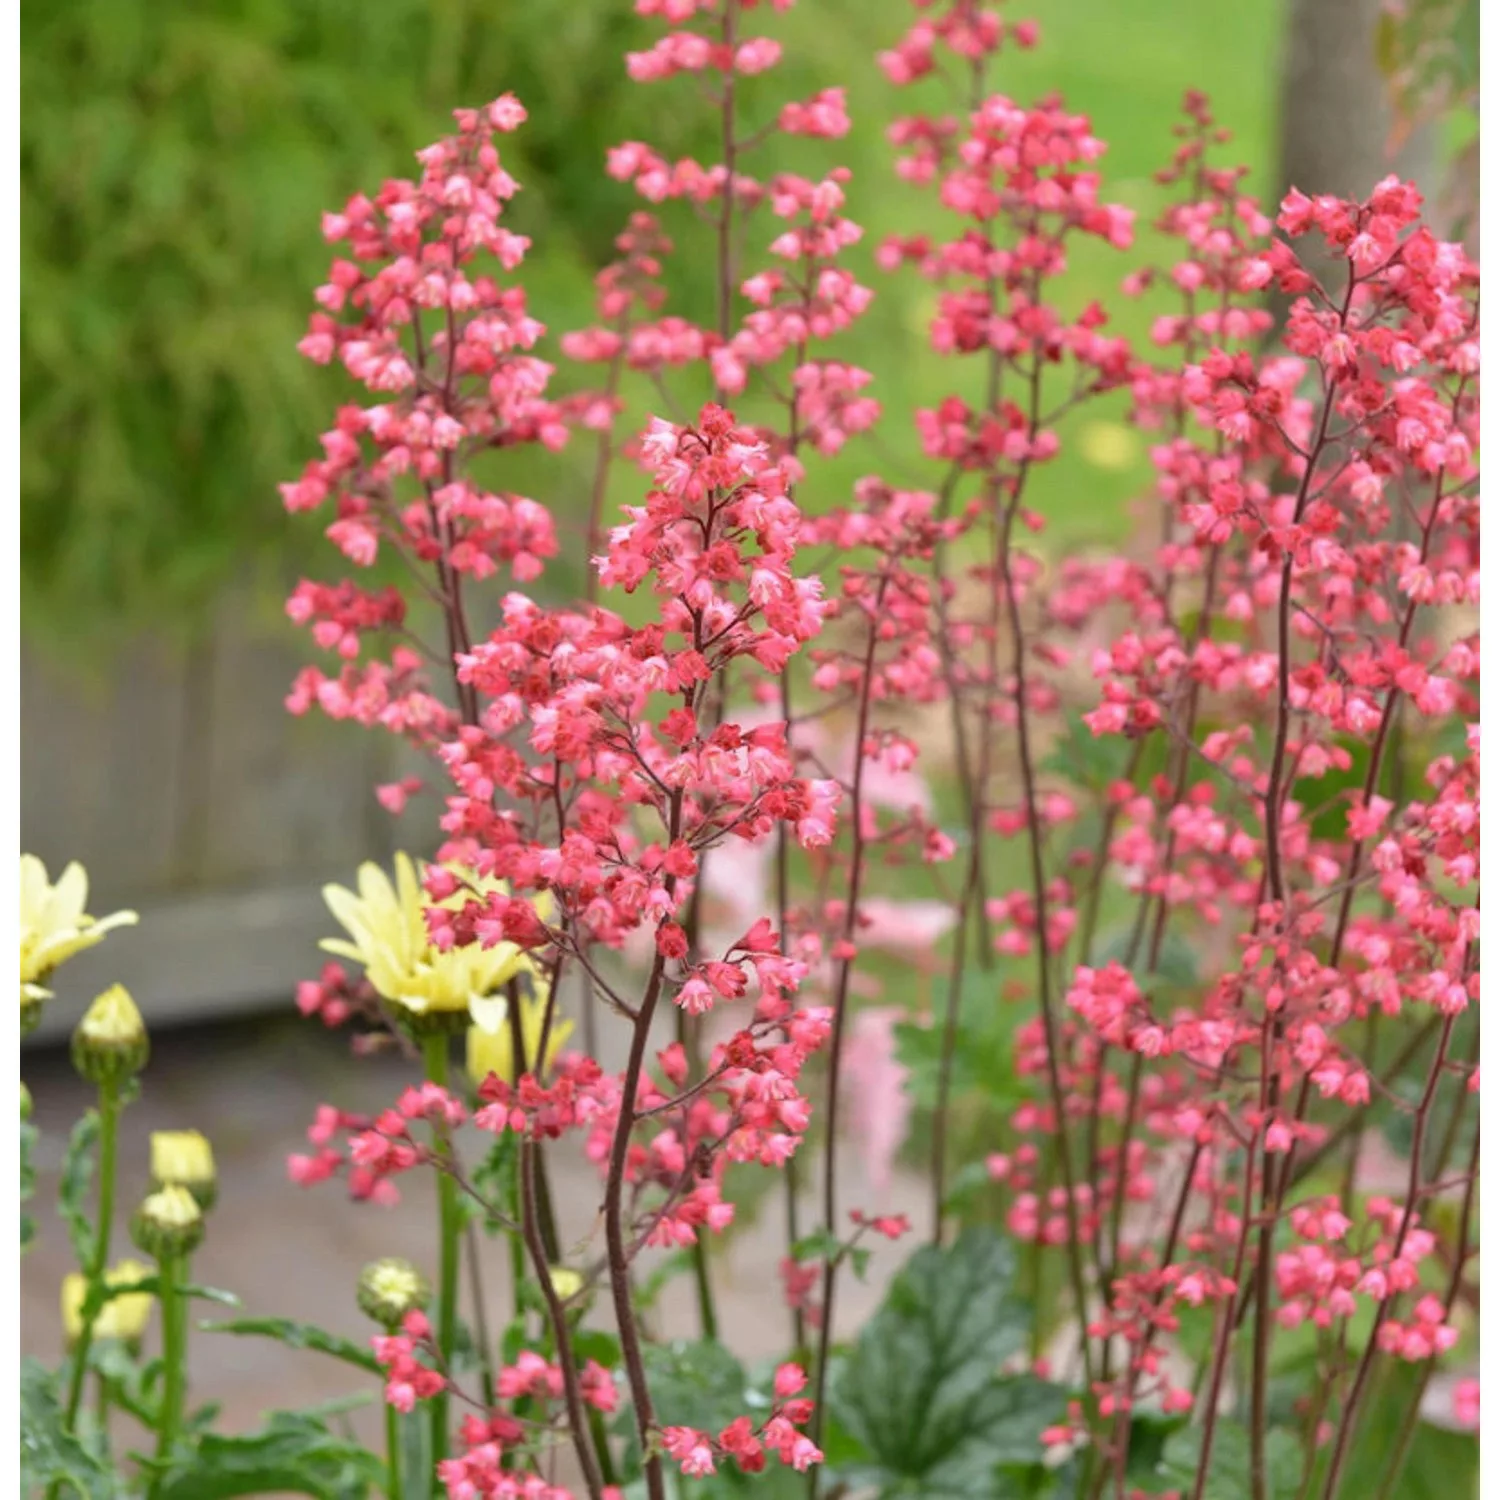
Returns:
<point x="101" y="1405"/>
<point x="171" y="1273"/>
<point x="481" y="1322"/>
<point x="109" y="1118"/>
<point x="392" y="1452"/>
<point x="435" y="1056"/>
<point x="518" y="1276"/>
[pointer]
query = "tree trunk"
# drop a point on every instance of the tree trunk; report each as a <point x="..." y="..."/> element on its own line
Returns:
<point x="1336" y="117"/>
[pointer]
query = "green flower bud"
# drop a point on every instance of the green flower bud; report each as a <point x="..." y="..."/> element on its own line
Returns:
<point x="168" y="1223"/>
<point x="25" y="1102"/>
<point x="33" y="998"/>
<point x="184" y="1157"/>
<point x="110" y="1043"/>
<point x="391" y="1288"/>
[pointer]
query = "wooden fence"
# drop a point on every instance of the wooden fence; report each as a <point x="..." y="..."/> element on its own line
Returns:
<point x="191" y="795"/>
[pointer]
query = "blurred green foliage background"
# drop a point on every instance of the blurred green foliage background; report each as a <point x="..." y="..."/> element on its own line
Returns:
<point x="177" y="154"/>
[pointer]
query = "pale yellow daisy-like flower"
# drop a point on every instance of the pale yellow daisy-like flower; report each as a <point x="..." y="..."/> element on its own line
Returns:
<point x="54" y="924"/>
<point x="492" y="1052"/>
<point x="388" y="938"/>
<point x="123" y="1317"/>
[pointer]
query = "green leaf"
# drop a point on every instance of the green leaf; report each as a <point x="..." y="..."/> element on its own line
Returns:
<point x="1176" y="964"/>
<point x="126" y="1377"/>
<point x="921" y="1392"/>
<point x="1439" y="1465"/>
<point x="103" y="1292"/>
<point x="495" y="1180"/>
<point x="1229" y="1466"/>
<point x="695" y="1384"/>
<point x="297" y="1335"/>
<point x="1086" y="759"/>
<point x="73" y="1187"/>
<point x="772" y="1483"/>
<point x="211" y="1294"/>
<point x="671" y="1266"/>
<point x="818" y="1245"/>
<point x="599" y="1345"/>
<point x="294" y="1455"/>
<point x="970" y="1178"/>
<point x="50" y="1455"/>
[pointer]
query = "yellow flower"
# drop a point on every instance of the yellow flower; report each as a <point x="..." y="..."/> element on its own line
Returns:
<point x="123" y="1317"/>
<point x="1108" y="445"/>
<point x="566" y="1283"/>
<point x="388" y="937"/>
<point x="491" y="1051"/>
<point x="186" y="1158"/>
<point x="54" y="925"/>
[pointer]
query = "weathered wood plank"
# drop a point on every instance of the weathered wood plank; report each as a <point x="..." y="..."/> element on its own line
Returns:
<point x="100" y="767"/>
<point x="199" y="957"/>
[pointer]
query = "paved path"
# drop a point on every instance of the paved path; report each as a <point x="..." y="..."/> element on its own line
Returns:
<point x="294" y="1252"/>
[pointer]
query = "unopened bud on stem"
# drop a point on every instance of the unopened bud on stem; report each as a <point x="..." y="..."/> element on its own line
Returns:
<point x="391" y="1288"/>
<point x="110" y="1042"/>
<point x="169" y="1223"/>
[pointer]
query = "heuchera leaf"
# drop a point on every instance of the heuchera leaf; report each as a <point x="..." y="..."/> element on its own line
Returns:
<point x="696" y="1384"/>
<point x="921" y="1393"/>
<point x="1229" y="1466"/>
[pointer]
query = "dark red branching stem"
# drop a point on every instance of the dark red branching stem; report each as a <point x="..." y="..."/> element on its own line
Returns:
<point x="1045" y="999"/>
<point x="578" y="1424"/>
<point x="840" y="1010"/>
<point x="614" y="1219"/>
<point x="1372" y="1344"/>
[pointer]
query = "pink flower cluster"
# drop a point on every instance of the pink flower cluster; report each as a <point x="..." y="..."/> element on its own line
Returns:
<point x="1232" y="898"/>
<point x="745" y="1442"/>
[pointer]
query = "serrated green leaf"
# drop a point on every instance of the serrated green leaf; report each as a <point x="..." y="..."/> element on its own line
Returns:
<point x="73" y="1185"/>
<point x="699" y="1384"/>
<point x="297" y="1335"/>
<point x="921" y="1393"/>
<point x="1176" y="963"/>
<point x="50" y="1455"/>
<point x="294" y="1454"/>
<point x="102" y="1292"/>
<point x="1228" y="1475"/>
<point x="494" y="1179"/>
<point x="128" y="1389"/>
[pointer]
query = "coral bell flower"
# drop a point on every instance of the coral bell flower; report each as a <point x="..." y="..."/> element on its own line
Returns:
<point x="388" y="936"/>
